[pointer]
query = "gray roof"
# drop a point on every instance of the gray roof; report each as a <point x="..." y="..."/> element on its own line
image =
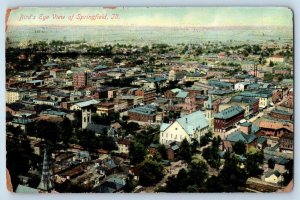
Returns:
<point x="145" y="110"/>
<point x="87" y="103"/>
<point x="240" y="136"/>
<point x="25" y="189"/>
<point x="182" y="94"/>
<point x="229" y="112"/>
<point x="97" y="128"/>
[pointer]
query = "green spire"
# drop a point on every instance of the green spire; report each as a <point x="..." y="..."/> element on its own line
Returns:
<point x="46" y="183"/>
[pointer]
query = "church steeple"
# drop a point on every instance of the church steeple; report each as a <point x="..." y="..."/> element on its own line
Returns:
<point x="46" y="184"/>
<point x="209" y="112"/>
<point x="209" y="103"/>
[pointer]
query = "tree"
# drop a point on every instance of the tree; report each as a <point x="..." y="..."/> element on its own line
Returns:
<point x="210" y="154"/>
<point x="137" y="153"/>
<point x="199" y="172"/>
<point x="253" y="162"/>
<point x="239" y="147"/>
<point x="232" y="175"/>
<point x="151" y="172"/>
<point x="66" y="130"/>
<point x="185" y="151"/>
<point x="194" y="146"/>
<point x="205" y="139"/>
<point x="214" y="184"/>
<point x="18" y="158"/>
<point x="78" y="119"/>
<point x="163" y="151"/>
<point x="49" y="131"/>
<point x="129" y="186"/>
<point x="271" y="163"/>
<point x="289" y="174"/>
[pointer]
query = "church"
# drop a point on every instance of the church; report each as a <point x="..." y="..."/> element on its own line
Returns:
<point x="189" y="127"/>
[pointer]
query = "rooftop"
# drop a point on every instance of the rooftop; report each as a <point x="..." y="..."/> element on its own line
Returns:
<point x="229" y="112"/>
<point x="190" y="123"/>
<point x="182" y="94"/>
<point x="145" y="110"/>
<point x="240" y="136"/>
<point x="87" y="103"/>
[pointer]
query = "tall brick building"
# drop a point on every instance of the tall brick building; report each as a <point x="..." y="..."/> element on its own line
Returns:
<point x="80" y="79"/>
<point x="148" y="95"/>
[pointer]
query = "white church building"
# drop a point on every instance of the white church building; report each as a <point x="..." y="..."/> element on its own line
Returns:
<point x="190" y="126"/>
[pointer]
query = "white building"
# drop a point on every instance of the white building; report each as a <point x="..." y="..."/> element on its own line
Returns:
<point x="273" y="177"/>
<point x="241" y="86"/>
<point x="80" y="105"/>
<point x="86" y="117"/>
<point x="13" y="95"/>
<point x="190" y="126"/>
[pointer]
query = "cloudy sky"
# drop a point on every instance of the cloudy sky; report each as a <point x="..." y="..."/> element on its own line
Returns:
<point x="154" y="16"/>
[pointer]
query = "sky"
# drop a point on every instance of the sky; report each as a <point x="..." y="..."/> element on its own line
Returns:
<point x="153" y="16"/>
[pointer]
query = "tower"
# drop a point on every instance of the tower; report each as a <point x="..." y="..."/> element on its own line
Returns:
<point x="86" y="117"/>
<point x="209" y="112"/>
<point x="46" y="184"/>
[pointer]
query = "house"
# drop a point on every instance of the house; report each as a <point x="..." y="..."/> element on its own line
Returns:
<point x="82" y="156"/>
<point x="105" y="164"/>
<point x="276" y="59"/>
<point x="57" y="73"/>
<point x="189" y="127"/>
<point x="123" y="146"/>
<point x="14" y="95"/>
<point x="241" y="86"/>
<point x="246" y="134"/>
<point x="220" y="84"/>
<point x="114" y="130"/>
<point x="248" y="65"/>
<point x="252" y="102"/>
<point x="111" y="185"/>
<point x="152" y="149"/>
<point x="227" y="118"/>
<point x="264" y="96"/>
<point x="172" y="151"/>
<point x="273" y="176"/>
<point x="21" y="122"/>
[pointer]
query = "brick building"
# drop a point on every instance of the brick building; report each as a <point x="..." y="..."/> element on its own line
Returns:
<point x="287" y="142"/>
<point x="143" y="113"/>
<point x="277" y="129"/>
<point x="227" y="118"/>
<point x="105" y="108"/>
<point x="281" y="114"/>
<point x="277" y="95"/>
<point x="148" y="95"/>
<point x="80" y="79"/>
